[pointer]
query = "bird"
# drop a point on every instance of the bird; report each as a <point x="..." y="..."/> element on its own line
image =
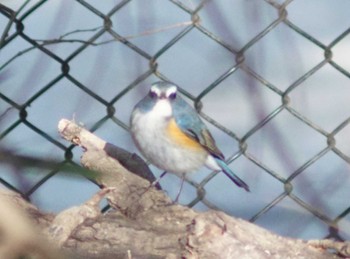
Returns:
<point x="170" y="134"/>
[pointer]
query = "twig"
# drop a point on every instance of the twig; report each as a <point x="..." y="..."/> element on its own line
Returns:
<point x="62" y="39"/>
<point x="341" y="248"/>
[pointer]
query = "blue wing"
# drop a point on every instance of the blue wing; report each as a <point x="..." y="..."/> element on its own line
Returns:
<point x="189" y="122"/>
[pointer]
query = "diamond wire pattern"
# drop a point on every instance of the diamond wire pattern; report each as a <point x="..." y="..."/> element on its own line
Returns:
<point x="15" y="28"/>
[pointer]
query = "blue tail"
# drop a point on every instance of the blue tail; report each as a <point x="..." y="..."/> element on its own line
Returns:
<point x="238" y="181"/>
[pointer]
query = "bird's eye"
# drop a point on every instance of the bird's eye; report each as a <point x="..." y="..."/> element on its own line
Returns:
<point x="152" y="94"/>
<point x="172" y="96"/>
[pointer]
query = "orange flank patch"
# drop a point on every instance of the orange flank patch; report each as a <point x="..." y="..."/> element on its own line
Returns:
<point x="181" y="138"/>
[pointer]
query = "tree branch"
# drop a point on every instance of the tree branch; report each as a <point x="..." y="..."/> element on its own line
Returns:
<point x="146" y="224"/>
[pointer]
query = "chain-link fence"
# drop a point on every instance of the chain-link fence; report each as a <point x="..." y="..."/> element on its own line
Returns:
<point x="271" y="79"/>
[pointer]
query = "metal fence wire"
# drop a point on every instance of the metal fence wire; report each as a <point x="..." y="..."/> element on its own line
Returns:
<point x="315" y="191"/>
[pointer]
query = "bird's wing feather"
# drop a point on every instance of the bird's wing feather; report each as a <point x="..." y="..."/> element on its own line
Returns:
<point x="189" y="122"/>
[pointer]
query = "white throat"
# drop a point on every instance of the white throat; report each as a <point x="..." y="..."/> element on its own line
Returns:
<point x="162" y="109"/>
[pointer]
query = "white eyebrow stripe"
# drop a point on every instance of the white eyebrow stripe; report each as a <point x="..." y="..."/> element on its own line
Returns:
<point x="155" y="90"/>
<point x="171" y="90"/>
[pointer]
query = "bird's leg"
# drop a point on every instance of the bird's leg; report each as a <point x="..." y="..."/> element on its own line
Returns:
<point x="155" y="183"/>
<point x="182" y="184"/>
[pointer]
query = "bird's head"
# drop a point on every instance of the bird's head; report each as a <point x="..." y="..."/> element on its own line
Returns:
<point x="159" y="99"/>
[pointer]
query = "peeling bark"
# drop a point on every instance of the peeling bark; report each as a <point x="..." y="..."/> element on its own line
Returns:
<point x="144" y="223"/>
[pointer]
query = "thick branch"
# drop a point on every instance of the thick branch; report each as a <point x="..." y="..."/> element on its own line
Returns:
<point x="145" y="223"/>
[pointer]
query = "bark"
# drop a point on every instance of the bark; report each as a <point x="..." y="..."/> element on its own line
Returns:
<point x="144" y="222"/>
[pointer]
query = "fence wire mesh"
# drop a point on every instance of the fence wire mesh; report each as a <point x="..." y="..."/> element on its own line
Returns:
<point x="306" y="179"/>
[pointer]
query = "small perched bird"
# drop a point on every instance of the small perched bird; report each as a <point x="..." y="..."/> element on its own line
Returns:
<point x="170" y="134"/>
